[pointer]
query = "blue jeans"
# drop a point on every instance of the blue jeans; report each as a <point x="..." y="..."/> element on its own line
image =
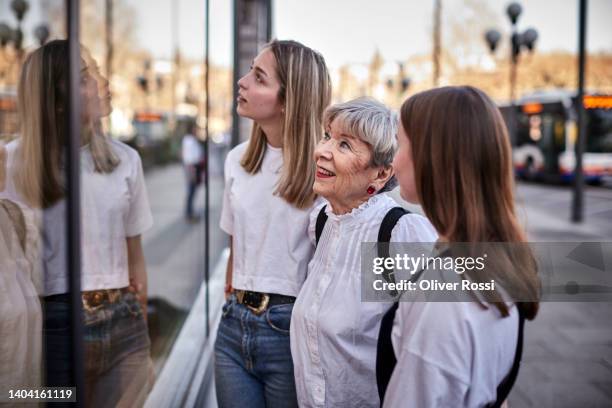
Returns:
<point x="117" y="361"/>
<point x="253" y="365"/>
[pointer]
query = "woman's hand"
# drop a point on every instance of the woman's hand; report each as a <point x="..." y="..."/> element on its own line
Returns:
<point x="138" y="271"/>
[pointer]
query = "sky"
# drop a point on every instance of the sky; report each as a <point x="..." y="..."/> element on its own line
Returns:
<point x="349" y="31"/>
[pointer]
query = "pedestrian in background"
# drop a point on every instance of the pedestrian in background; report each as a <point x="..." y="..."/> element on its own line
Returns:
<point x="455" y="160"/>
<point x="192" y="156"/>
<point x="267" y="200"/>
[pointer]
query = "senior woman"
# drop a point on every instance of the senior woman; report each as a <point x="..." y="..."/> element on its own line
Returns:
<point x="333" y="334"/>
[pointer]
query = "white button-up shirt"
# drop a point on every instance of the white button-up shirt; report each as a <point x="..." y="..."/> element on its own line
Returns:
<point x="333" y="333"/>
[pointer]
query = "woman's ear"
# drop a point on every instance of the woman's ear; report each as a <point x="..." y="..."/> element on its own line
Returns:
<point x="383" y="175"/>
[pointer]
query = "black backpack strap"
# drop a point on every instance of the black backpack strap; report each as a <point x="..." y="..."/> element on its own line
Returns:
<point x="503" y="389"/>
<point x="385" y="356"/>
<point x="384" y="237"/>
<point x="321" y="220"/>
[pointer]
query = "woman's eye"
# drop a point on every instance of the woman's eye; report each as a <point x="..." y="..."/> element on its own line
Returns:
<point x="345" y="145"/>
<point x="258" y="78"/>
<point x="326" y="136"/>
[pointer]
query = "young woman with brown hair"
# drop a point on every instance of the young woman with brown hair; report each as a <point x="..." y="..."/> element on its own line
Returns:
<point x="267" y="200"/>
<point x="454" y="159"/>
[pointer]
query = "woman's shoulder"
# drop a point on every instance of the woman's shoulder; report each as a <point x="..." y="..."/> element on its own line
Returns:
<point x="414" y="227"/>
<point x="123" y="150"/>
<point x="235" y="155"/>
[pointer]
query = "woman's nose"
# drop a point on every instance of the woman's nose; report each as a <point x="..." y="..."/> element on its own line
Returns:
<point x="323" y="150"/>
<point x="242" y="82"/>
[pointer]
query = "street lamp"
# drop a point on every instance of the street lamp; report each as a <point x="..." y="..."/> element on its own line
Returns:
<point x="518" y="41"/>
<point x="15" y="36"/>
<point x="19" y="7"/>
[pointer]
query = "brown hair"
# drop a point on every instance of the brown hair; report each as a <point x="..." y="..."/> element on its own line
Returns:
<point x="305" y="89"/>
<point x="464" y="180"/>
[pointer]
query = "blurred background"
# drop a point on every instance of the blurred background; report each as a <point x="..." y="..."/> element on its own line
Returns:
<point x="169" y="71"/>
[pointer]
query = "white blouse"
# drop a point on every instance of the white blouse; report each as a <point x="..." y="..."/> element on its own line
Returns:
<point x="271" y="249"/>
<point x="333" y="333"/>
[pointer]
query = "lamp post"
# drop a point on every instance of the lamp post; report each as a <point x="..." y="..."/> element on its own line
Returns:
<point x="518" y="42"/>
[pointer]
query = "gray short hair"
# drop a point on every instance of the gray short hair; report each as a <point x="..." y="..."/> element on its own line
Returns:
<point x="371" y="121"/>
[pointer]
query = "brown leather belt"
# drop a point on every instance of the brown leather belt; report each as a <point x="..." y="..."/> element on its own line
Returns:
<point x="259" y="302"/>
<point x="93" y="299"/>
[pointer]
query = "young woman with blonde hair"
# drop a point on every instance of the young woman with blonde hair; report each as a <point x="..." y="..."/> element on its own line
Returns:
<point x="115" y="212"/>
<point x="455" y="159"/>
<point x="267" y="200"/>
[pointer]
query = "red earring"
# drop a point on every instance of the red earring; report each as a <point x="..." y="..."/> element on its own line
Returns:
<point x="371" y="190"/>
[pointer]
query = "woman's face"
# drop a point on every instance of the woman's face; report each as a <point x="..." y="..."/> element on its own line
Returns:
<point x="258" y="90"/>
<point x="343" y="168"/>
<point x="403" y="167"/>
<point x="104" y="93"/>
<point x="91" y="108"/>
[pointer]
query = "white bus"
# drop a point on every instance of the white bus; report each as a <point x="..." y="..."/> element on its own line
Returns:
<point x="545" y="135"/>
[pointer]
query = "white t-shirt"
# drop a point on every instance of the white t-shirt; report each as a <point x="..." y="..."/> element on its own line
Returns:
<point x="450" y="354"/>
<point x="333" y="333"/>
<point x="114" y="206"/>
<point x="271" y="249"/>
<point x="191" y="151"/>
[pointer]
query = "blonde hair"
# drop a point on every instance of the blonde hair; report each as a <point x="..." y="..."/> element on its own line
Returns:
<point x="305" y="91"/>
<point x="43" y="118"/>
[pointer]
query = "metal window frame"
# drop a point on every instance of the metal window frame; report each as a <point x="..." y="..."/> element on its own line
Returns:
<point x="73" y="202"/>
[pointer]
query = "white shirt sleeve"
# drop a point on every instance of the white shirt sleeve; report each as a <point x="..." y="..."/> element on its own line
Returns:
<point x="227" y="216"/>
<point x="139" y="217"/>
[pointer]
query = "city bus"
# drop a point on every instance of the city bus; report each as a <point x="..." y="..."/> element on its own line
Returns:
<point x="544" y="131"/>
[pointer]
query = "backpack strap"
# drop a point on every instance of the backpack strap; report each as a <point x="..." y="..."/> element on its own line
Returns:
<point x="384" y="237"/>
<point x="385" y="356"/>
<point x="503" y="389"/>
<point x="321" y="220"/>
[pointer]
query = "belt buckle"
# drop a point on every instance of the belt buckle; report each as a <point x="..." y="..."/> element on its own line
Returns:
<point x="262" y="305"/>
<point x="88" y="304"/>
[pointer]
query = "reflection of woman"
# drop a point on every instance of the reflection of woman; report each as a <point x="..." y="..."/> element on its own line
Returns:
<point x="115" y="212"/>
<point x="334" y="333"/>
<point x="20" y="312"/>
<point x="267" y="199"/>
<point x="454" y="159"/>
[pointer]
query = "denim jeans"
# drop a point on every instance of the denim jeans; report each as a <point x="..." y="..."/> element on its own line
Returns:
<point x="253" y="365"/>
<point x="117" y="352"/>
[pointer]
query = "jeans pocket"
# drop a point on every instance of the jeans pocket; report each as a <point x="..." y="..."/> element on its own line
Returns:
<point x="279" y="318"/>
